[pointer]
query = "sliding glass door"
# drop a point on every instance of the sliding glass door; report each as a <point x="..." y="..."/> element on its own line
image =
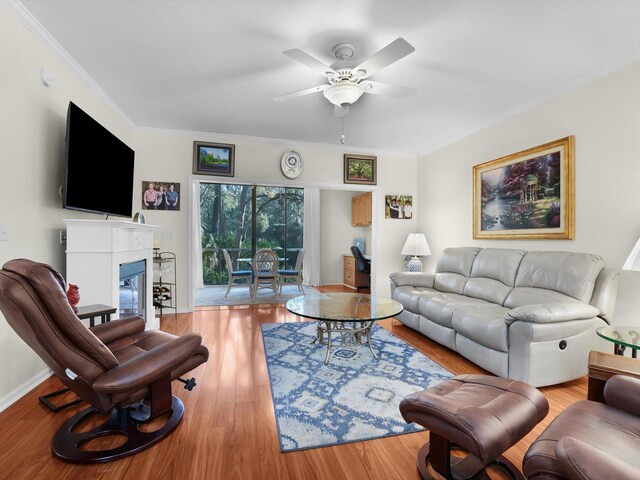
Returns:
<point x="245" y="218"/>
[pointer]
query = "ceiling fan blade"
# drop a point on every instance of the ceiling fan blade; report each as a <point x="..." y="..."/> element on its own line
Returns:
<point x="340" y="112"/>
<point x="311" y="62"/>
<point x="393" y="52"/>
<point x="379" y="88"/>
<point x="300" y="93"/>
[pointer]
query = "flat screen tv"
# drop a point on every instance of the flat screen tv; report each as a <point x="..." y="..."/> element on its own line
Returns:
<point x="98" y="173"/>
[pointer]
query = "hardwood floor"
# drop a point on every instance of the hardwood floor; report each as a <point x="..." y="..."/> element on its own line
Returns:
<point x="229" y="429"/>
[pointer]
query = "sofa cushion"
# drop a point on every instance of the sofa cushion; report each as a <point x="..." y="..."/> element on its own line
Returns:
<point x="520" y="296"/>
<point x="409" y="296"/>
<point x="439" y="308"/>
<point x="493" y="274"/>
<point x="572" y="274"/>
<point x="450" y="282"/>
<point x="453" y="269"/>
<point x="483" y="324"/>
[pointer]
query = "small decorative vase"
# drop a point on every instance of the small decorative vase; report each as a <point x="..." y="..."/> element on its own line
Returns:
<point x="73" y="295"/>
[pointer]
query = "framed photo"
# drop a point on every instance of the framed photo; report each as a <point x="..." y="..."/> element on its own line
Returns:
<point x="398" y="206"/>
<point x="214" y="159"/>
<point x="360" y="169"/>
<point x="161" y="196"/>
<point x="529" y="194"/>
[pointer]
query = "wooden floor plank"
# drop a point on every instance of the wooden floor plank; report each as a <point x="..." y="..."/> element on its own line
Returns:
<point x="229" y="429"/>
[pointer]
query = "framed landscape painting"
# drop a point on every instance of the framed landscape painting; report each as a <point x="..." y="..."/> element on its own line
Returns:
<point x="360" y="169"/>
<point x="526" y="195"/>
<point x="214" y="159"/>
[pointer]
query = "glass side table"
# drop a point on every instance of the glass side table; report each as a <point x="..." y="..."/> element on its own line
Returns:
<point x="622" y="337"/>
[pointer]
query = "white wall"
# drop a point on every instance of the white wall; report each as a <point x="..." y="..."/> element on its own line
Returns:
<point x="32" y="122"/>
<point x="336" y="233"/>
<point x="168" y="156"/>
<point x="604" y="116"/>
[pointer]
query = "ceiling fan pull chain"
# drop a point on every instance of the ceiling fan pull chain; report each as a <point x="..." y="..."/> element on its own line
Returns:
<point x="343" y="136"/>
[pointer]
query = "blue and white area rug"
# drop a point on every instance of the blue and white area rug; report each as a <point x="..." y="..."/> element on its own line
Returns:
<point x="355" y="397"/>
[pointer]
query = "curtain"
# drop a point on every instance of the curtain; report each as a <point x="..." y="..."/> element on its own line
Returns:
<point x="197" y="237"/>
<point x="311" y="266"/>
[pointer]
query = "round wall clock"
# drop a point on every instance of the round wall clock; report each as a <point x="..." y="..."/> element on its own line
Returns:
<point x="291" y="164"/>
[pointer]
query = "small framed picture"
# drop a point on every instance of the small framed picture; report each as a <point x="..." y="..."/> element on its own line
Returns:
<point x="360" y="169"/>
<point x="214" y="159"/>
<point x="161" y="196"/>
<point x="398" y="206"/>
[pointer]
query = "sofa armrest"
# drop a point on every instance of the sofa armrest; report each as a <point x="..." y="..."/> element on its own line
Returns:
<point x="111" y="331"/>
<point x="144" y="369"/>
<point x="623" y="393"/>
<point x="582" y="461"/>
<point x="414" y="279"/>
<point x="552" y="313"/>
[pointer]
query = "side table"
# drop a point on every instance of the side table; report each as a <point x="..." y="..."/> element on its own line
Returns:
<point x="603" y="366"/>
<point x="94" y="311"/>
<point x="87" y="311"/>
<point x="622" y="337"/>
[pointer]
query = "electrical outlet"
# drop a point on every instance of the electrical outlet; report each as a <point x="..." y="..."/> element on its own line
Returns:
<point x="63" y="237"/>
<point x="166" y="236"/>
<point x="4" y="233"/>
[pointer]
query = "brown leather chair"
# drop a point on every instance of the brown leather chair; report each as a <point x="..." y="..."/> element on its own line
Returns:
<point x="591" y="440"/>
<point x="117" y="367"/>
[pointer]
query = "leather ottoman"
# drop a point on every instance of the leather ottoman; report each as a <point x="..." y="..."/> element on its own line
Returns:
<point x="480" y="414"/>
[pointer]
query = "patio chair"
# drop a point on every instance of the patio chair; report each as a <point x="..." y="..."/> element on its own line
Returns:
<point x="295" y="274"/>
<point x="236" y="275"/>
<point x="265" y="271"/>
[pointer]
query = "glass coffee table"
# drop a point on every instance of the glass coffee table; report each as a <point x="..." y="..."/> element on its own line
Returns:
<point x="350" y="316"/>
<point x="622" y="337"/>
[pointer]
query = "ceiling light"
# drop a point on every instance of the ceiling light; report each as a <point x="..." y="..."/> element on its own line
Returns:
<point x="343" y="93"/>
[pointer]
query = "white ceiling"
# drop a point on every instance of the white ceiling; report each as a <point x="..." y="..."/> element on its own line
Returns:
<point x="213" y="66"/>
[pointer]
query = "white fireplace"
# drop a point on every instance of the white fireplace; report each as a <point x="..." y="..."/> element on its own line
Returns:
<point x="98" y="251"/>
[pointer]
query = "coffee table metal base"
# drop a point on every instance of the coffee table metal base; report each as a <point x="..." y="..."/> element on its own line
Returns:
<point x="353" y="333"/>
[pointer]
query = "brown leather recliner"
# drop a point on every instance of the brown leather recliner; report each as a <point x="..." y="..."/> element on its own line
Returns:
<point x="117" y="367"/>
<point x="591" y="440"/>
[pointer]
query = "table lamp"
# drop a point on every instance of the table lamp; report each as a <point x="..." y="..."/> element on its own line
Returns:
<point x="633" y="260"/>
<point x="416" y="245"/>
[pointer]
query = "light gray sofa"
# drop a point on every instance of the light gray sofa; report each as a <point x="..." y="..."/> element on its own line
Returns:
<point x="530" y="316"/>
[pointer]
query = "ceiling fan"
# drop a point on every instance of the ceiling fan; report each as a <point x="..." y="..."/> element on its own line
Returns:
<point x="347" y="82"/>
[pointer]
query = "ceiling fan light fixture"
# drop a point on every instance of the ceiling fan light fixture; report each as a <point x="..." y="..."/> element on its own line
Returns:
<point x="343" y="93"/>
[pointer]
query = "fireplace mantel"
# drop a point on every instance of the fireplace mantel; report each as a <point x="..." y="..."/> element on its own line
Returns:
<point x="95" y="251"/>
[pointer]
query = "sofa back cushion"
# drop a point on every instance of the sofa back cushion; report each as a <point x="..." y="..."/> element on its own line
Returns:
<point x="493" y="274"/>
<point x="555" y="276"/>
<point x="454" y="268"/>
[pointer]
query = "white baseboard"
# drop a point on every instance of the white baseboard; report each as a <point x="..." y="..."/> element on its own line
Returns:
<point x="21" y="390"/>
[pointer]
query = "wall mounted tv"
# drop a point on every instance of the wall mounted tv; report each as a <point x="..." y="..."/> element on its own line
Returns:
<point x="98" y="173"/>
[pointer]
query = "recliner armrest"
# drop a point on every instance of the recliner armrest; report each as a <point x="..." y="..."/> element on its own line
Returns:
<point x="148" y="367"/>
<point x="111" y="331"/>
<point x="623" y="393"/>
<point x="581" y="461"/>
<point x="552" y="312"/>
<point x="414" y="279"/>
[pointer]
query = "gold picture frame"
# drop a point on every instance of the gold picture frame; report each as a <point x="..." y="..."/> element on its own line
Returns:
<point x="360" y="169"/>
<point x="526" y="195"/>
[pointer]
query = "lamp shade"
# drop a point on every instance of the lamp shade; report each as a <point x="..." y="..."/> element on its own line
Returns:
<point x="633" y="260"/>
<point x="416" y="245"/>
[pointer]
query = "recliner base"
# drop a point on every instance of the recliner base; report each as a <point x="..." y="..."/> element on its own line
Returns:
<point x="67" y="444"/>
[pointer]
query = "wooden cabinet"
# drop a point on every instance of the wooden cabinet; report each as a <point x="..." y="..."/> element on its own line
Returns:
<point x="352" y="277"/>
<point x="361" y="210"/>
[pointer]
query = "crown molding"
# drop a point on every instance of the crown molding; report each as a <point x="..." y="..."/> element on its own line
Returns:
<point x="197" y="135"/>
<point x="583" y="79"/>
<point x="37" y="29"/>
